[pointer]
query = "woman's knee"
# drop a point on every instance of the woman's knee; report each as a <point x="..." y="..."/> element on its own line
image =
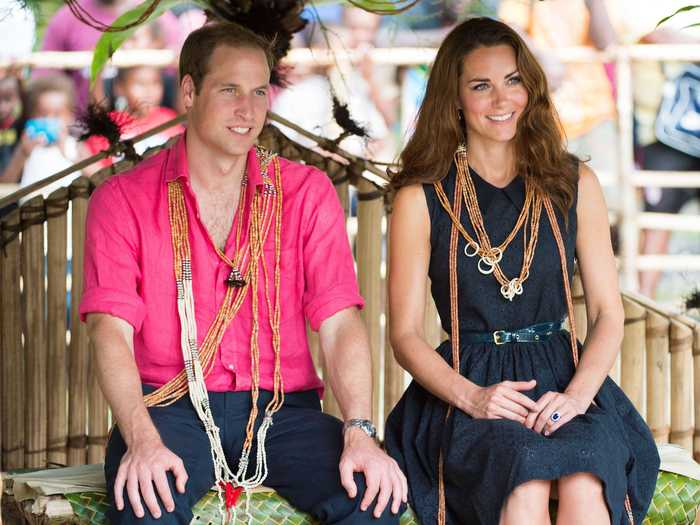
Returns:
<point x="580" y="485"/>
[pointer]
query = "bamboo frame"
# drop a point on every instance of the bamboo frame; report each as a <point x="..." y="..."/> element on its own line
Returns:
<point x="658" y="375"/>
<point x="13" y="370"/>
<point x="369" y="254"/>
<point x="696" y="393"/>
<point x="632" y="356"/>
<point x="36" y="355"/>
<point x="78" y="368"/>
<point x="57" y="311"/>
<point x="681" y="348"/>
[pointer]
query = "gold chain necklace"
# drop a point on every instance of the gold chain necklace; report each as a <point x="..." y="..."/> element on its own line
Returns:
<point x="490" y="256"/>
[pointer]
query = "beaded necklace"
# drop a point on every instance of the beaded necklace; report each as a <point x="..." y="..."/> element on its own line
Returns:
<point x="454" y="212"/>
<point x="265" y="213"/>
<point x="490" y="256"/>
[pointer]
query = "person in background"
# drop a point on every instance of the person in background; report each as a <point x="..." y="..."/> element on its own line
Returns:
<point x="47" y="146"/>
<point x="139" y="92"/>
<point x="10" y="121"/>
<point x="66" y="33"/>
<point x="582" y="91"/>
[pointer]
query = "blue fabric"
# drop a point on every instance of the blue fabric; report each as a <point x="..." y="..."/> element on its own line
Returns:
<point x="486" y="459"/>
<point x="303" y="450"/>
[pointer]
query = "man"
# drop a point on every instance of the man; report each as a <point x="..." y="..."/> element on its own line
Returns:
<point x="169" y="255"/>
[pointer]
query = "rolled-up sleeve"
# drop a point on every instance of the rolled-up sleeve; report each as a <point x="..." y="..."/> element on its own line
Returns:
<point x="111" y="273"/>
<point x="329" y="271"/>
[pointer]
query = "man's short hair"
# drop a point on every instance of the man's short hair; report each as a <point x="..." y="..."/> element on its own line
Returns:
<point x="200" y="44"/>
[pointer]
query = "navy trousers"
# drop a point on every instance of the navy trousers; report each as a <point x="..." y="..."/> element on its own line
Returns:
<point x="303" y="450"/>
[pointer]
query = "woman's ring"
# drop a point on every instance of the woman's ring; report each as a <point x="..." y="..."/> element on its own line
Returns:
<point x="556" y="416"/>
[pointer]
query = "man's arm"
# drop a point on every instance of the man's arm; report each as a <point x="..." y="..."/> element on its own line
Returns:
<point x="345" y="347"/>
<point x="147" y="459"/>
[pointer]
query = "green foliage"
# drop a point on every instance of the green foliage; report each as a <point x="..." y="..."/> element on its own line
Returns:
<point x="678" y="11"/>
<point x="109" y="42"/>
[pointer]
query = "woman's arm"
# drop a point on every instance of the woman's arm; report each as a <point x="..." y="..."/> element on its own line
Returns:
<point x="602" y="293"/>
<point x="603" y="307"/>
<point x="409" y="259"/>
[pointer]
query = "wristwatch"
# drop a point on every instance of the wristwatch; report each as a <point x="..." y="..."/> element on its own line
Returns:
<point x="364" y="424"/>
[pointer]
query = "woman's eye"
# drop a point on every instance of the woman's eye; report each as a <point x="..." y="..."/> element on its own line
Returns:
<point x="514" y="80"/>
<point x="480" y="87"/>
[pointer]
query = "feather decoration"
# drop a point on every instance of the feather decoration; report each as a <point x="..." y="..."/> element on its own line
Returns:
<point x="692" y="300"/>
<point x="341" y="115"/>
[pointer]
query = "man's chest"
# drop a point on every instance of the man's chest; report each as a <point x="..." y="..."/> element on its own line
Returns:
<point x="216" y="213"/>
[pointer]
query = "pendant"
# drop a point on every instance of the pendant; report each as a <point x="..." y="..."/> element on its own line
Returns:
<point x="511" y="289"/>
<point x="475" y="247"/>
<point x="490" y="261"/>
<point x="235" y="279"/>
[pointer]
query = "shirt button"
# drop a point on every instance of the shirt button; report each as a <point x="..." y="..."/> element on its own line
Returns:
<point x="230" y="367"/>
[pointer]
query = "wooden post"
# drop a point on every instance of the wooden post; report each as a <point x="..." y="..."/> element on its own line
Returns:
<point x="393" y="373"/>
<point x="628" y="218"/>
<point x="57" y="381"/>
<point x="36" y="350"/>
<point x="633" y="354"/>
<point x="13" y="395"/>
<point x="369" y="253"/>
<point x="681" y="348"/>
<point x="658" y="376"/>
<point x="696" y="387"/>
<point x="78" y="366"/>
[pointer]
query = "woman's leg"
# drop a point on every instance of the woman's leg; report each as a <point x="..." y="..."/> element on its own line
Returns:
<point x="528" y="504"/>
<point x="581" y="501"/>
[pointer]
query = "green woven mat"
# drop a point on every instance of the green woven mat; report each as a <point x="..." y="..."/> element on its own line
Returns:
<point x="266" y="508"/>
<point x="675" y="502"/>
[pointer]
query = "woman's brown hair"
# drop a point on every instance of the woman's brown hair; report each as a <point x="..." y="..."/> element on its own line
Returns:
<point x="539" y="141"/>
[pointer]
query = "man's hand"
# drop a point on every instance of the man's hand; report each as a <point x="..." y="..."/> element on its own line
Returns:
<point x="145" y="464"/>
<point x="382" y="474"/>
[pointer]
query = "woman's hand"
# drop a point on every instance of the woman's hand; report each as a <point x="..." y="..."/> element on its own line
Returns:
<point x="564" y="405"/>
<point x="501" y="401"/>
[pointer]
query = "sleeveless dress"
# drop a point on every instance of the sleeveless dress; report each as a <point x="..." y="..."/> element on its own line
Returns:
<point x="485" y="460"/>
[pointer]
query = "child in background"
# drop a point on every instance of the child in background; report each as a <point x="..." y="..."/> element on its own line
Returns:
<point x="10" y="122"/>
<point x="47" y="146"/>
<point x="138" y="91"/>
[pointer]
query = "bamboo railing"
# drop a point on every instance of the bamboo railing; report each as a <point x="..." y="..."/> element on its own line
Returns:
<point x="52" y="410"/>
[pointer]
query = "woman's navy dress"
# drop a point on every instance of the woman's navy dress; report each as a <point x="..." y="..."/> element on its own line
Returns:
<point x="486" y="459"/>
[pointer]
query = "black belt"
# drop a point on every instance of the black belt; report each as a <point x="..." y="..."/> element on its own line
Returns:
<point x="532" y="334"/>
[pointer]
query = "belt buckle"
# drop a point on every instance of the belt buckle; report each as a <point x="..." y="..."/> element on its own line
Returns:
<point x="499" y="337"/>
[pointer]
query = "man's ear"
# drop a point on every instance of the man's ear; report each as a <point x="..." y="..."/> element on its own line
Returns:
<point x="187" y="90"/>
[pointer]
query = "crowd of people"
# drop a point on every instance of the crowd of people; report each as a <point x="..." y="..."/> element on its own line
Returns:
<point x="38" y="108"/>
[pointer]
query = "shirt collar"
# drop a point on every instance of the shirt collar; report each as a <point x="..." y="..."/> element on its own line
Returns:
<point x="176" y="165"/>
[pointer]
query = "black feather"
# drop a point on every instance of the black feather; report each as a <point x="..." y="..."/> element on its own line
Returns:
<point x="341" y="114"/>
<point x="276" y="20"/>
<point x="97" y="120"/>
<point x="693" y="299"/>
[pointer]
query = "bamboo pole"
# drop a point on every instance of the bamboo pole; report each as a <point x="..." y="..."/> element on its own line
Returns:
<point x="78" y="361"/>
<point x="681" y="348"/>
<point x="13" y="396"/>
<point x="658" y="375"/>
<point x="696" y="388"/>
<point x="369" y="253"/>
<point x="633" y="354"/>
<point x="393" y="372"/>
<point x="35" y="339"/>
<point x="628" y="227"/>
<point x="57" y="381"/>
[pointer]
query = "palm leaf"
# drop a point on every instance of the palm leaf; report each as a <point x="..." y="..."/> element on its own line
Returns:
<point x="110" y="41"/>
<point x="681" y="10"/>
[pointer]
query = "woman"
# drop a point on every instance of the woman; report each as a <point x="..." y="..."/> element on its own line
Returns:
<point x="492" y="208"/>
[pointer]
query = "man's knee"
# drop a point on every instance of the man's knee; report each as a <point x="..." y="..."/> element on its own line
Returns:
<point x="341" y="509"/>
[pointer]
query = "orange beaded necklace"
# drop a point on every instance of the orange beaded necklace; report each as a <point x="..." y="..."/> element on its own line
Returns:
<point x="265" y="213"/>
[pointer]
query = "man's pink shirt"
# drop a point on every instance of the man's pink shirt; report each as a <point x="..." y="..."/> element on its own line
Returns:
<point x="129" y="271"/>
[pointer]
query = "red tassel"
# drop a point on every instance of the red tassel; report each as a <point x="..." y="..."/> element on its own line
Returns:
<point x="231" y="494"/>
